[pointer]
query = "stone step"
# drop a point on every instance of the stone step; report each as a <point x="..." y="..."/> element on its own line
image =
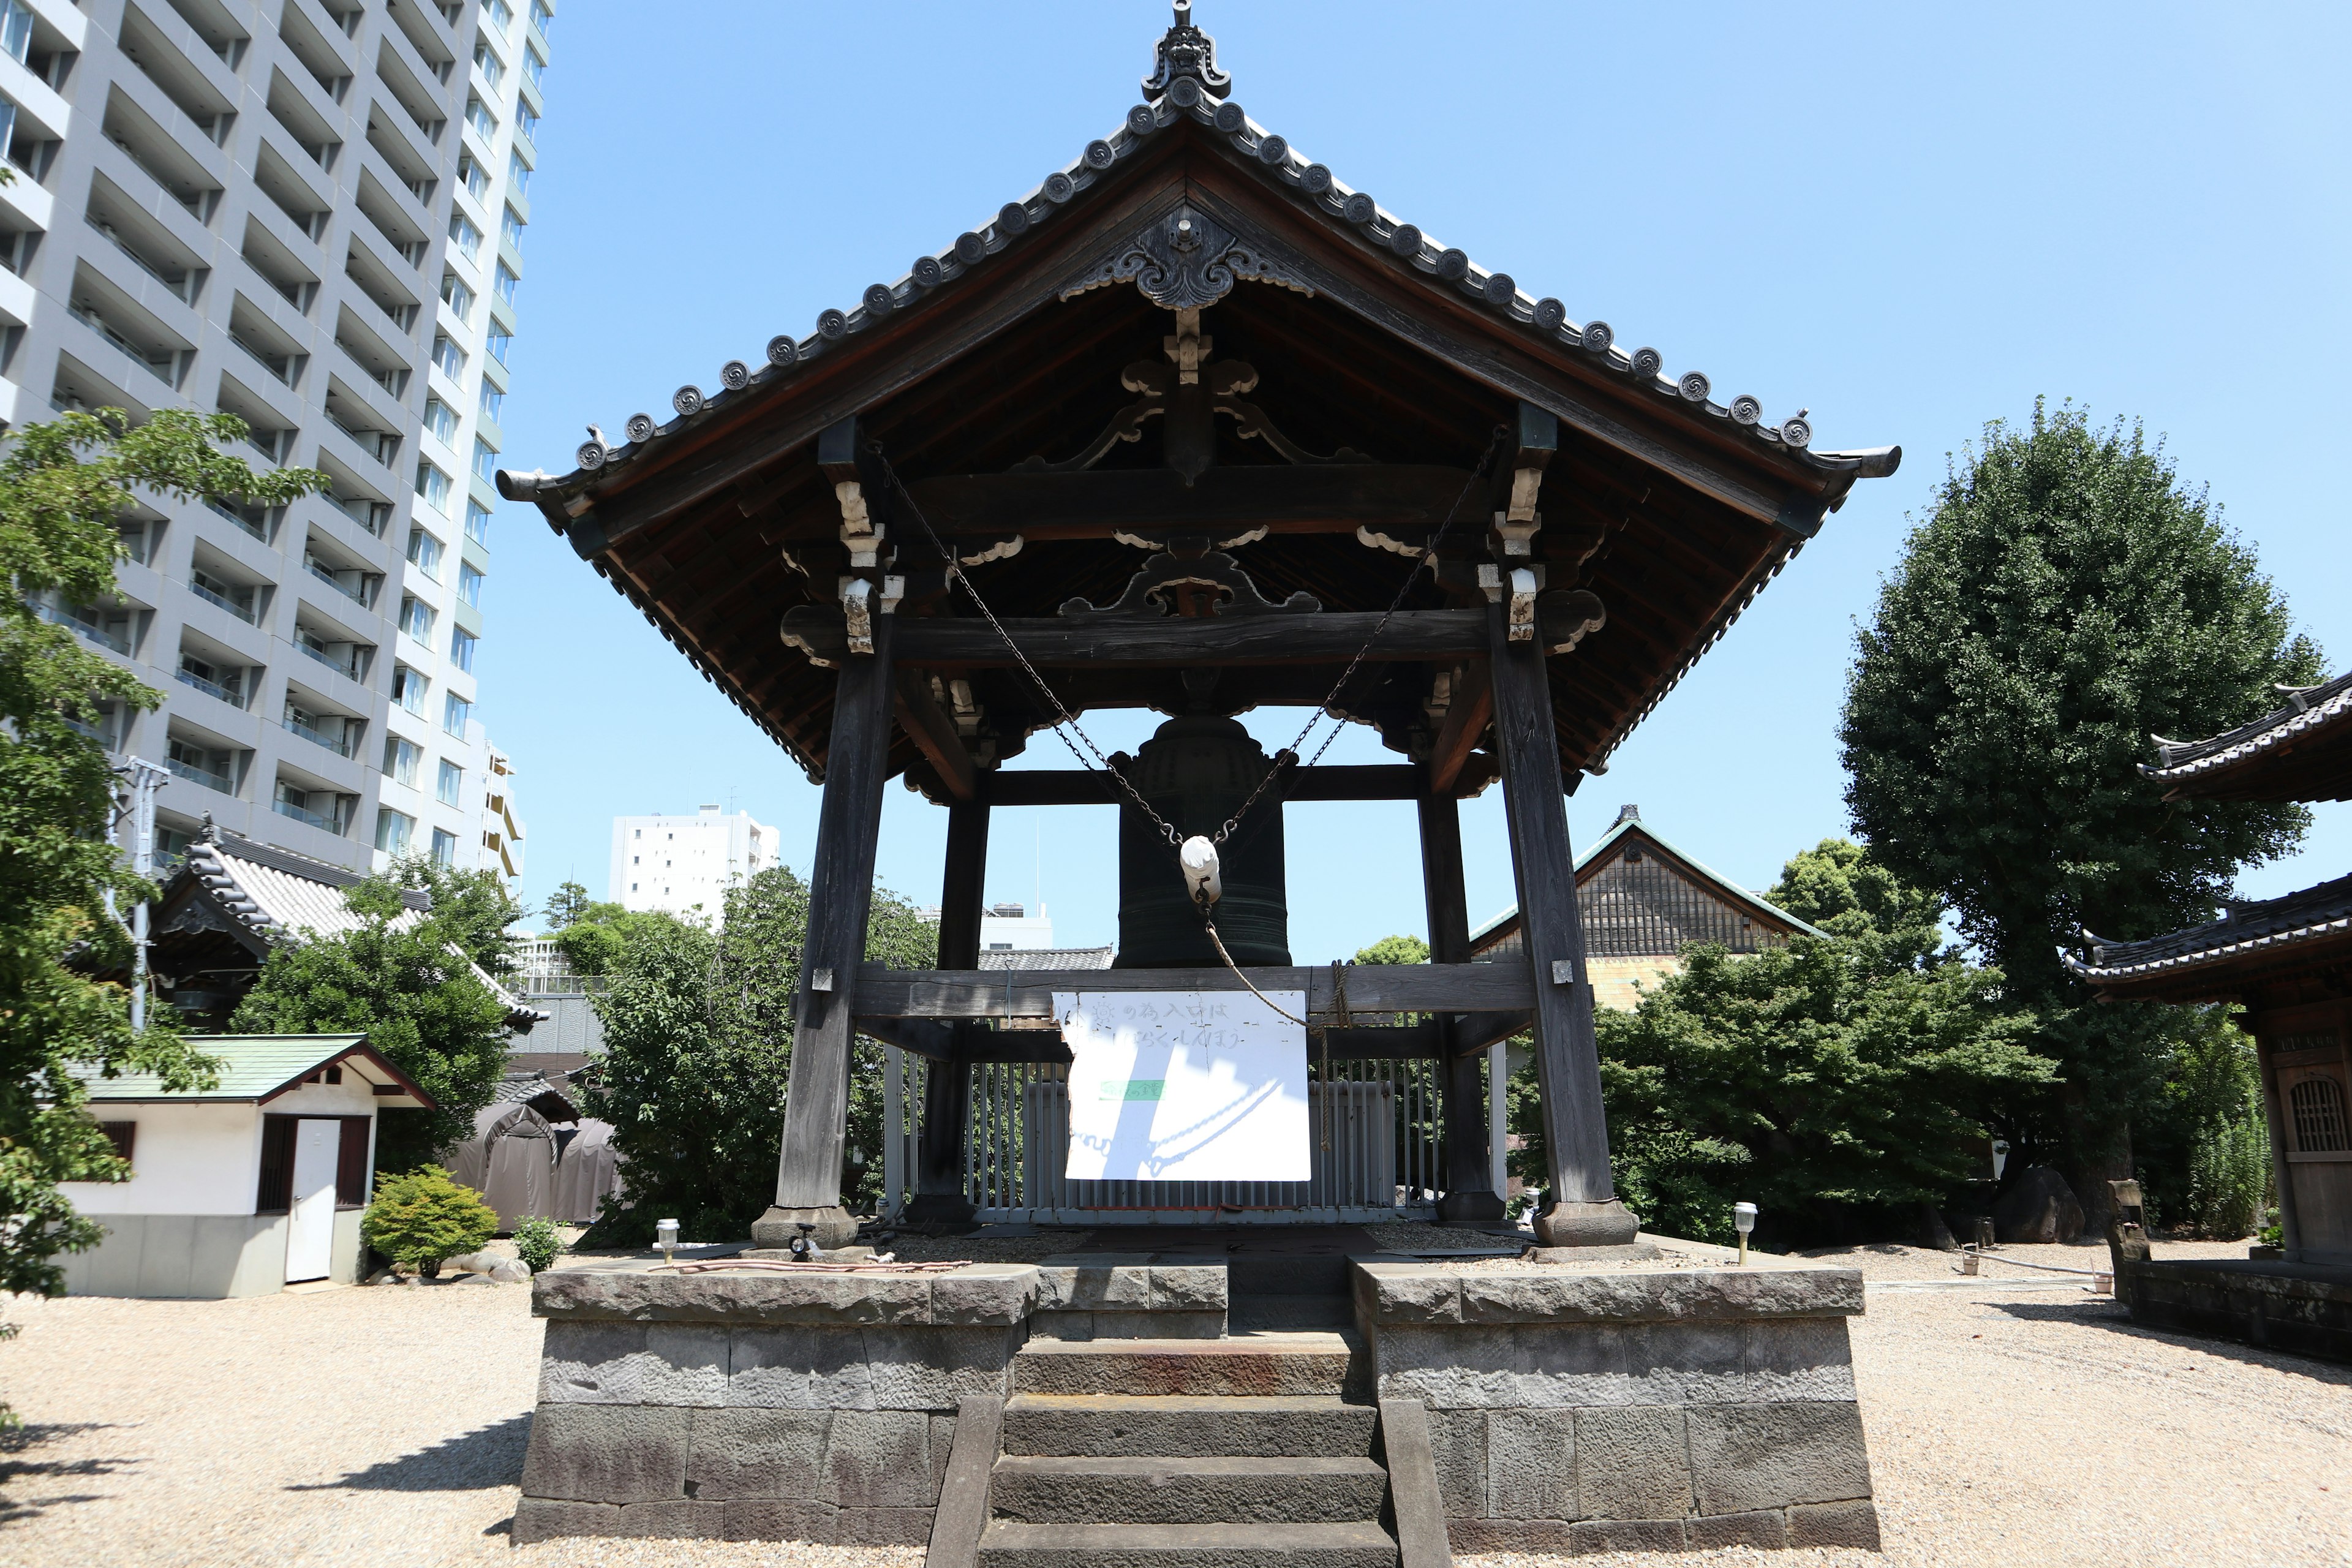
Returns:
<point x="1189" y="1490"/>
<point x="1289" y="1312"/>
<point x="1007" y="1545"/>
<point x="1243" y="1364"/>
<point x="1307" y="1425"/>
<point x="1288" y="1274"/>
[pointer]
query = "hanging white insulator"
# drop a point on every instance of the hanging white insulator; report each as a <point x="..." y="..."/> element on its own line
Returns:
<point x="1198" y="859"/>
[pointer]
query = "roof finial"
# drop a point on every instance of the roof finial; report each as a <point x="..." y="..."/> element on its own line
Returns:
<point x="1186" y="51"/>
<point x="1629" y="814"/>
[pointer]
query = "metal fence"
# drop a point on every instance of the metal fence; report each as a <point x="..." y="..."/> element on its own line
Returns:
<point x="1377" y="1129"/>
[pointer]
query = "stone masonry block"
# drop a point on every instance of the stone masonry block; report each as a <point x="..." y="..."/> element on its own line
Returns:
<point x="607" y="1453"/>
<point x="1799" y="1358"/>
<point x="993" y="1294"/>
<point x="1518" y="1366"/>
<point x="1062" y="1325"/>
<point x="1404" y="1293"/>
<point x="632" y="1364"/>
<point x="943" y="1443"/>
<point x="1630" y="1463"/>
<point x="1764" y="1529"/>
<point x="932" y="1369"/>
<point x="1188" y="1288"/>
<point x="539" y="1518"/>
<point x="1159" y="1325"/>
<point x="747" y="1452"/>
<point x="1119" y="1281"/>
<point x="1599" y="1535"/>
<point x="799" y="1368"/>
<point x="882" y="1527"/>
<point x="1536" y="1537"/>
<point x="1458" y="1440"/>
<point x="878" y="1459"/>
<point x="1834" y="1524"/>
<point x="634" y="1295"/>
<point x="768" y="1518"/>
<point x="1701" y="1363"/>
<point x="1746" y="1456"/>
<point x="1531" y="1464"/>
<point x="674" y="1519"/>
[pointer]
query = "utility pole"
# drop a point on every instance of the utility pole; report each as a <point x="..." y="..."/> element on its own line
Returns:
<point x="135" y="803"/>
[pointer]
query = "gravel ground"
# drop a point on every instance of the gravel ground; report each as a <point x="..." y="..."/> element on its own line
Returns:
<point x="386" y="1426"/>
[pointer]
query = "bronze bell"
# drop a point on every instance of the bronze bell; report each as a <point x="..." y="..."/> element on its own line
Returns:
<point x="1196" y="772"/>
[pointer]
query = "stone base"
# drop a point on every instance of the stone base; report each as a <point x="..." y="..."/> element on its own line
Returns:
<point x="828" y="1227"/>
<point x="2304" y="1309"/>
<point x="944" y="1209"/>
<point x="1470" y="1207"/>
<point x="1609" y="1224"/>
<point x="1639" y="1252"/>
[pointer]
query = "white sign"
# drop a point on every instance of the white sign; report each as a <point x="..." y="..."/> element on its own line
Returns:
<point x="1186" y="1085"/>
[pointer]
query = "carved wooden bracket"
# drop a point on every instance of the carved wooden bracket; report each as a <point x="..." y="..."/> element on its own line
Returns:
<point x="1200" y="583"/>
<point x="1185" y="260"/>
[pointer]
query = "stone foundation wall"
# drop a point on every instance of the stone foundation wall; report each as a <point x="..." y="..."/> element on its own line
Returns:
<point x="759" y="1407"/>
<point x="2302" y="1308"/>
<point x="1630" y="1410"/>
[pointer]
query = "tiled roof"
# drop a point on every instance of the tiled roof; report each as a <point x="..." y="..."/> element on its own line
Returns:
<point x="1025" y="958"/>
<point x="256" y="1067"/>
<point x="1181" y="91"/>
<point x="2321" y="711"/>
<point x="2273" y="926"/>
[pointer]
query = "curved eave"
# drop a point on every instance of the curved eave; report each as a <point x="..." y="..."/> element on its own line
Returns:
<point x="2252" y="761"/>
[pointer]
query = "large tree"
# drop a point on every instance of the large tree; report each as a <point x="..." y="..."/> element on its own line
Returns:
<point x="698" y="1055"/>
<point x="2067" y="599"/>
<point x="63" y="488"/>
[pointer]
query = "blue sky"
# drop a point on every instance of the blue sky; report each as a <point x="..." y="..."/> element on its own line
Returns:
<point x="1908" y="220"/>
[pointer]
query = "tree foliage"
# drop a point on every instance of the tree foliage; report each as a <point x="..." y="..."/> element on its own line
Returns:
<point x="421" y="1216"/>
<point x="2067" y="599"/>
<point x="63" y="486"/>
<point x="567" y="903"/>
<point x="1394" y="950"/>
<point x="596" y="933"/>
<point x="408" y="986"/>
<point x="1828" y="1080"/>
<point x="698" y="1055"/>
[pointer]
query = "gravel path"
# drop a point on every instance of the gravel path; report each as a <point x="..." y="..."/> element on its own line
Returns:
<point x="2007" y="1426"/>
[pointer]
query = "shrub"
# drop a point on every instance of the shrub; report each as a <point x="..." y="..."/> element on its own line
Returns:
<point x="2228" y="1174"/>
<point x="537" y="1242"/>
<point x="422" y="1216"/>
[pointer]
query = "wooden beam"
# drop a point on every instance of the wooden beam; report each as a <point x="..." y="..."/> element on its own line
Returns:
<point x="1473" y="1032"/>
<point x="841" y="891"/>
<point x="934" y="735"/>
<point x="926" y="1037"/>
<point x="1408" y="1042"/>
<point x="1076" y="786"/>
<point x="1464" y="728"/>
<point x="1029" y="993"/>
<point x="1336" y="498"/>
<point x="1171" y="642"/>
<point x="1551" y="931"/>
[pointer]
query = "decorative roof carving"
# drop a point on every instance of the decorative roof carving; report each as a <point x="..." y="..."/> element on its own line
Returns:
<point x="1186" y="260"/>
<point x="1193" y="581"/>
<point x="1186" y="53"/>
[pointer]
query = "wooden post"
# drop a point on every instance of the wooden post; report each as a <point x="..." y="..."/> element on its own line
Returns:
<point x="1469" y="1179"/>
<point x="1584" y="1210"/>
<point x="841" y="893"/>
<point x="946" y="1087"/>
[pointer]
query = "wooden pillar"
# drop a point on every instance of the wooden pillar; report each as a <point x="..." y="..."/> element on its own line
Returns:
<point x="1469" y="1170"/>
<point x="1584" y="1210"/>
<point x="841" y="894"/>
<point x="947" y="1086"/>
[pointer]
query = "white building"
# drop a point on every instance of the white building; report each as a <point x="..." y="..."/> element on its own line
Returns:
<point x="1012" y="928"/>
<point x="681" y="863"/>
<point x="309" y="215"/>
<point x="245" y="1188"/>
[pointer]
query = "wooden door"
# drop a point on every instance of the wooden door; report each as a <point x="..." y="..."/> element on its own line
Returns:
<point x="310" y="1233"/>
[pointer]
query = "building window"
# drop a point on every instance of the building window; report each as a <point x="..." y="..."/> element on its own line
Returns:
<point x="456" y="295"/>
<point x="441" y="420"/>
<point x="462" y="644"/>
<point x="498" y="340"/>
<point x="455" y="711"/>
<point x="465" y="234"/>
<point x="493" y="400"/>
<point x="498" y="15"/>
<point x="469" y="582"/>
<point x="424" y="552"/>
<point x="486" y="62"/>
<point x="510" y="228"/>
<point x="541" y="16"/>
<point x="518" y="172"/>
<point x="485" y="462"/>
<point x="526" y="123"/>
<point x="2318" y="1104"/>
<point x="416" y="619"/>
<point x="392" y="830"/>
<point x="534" y="70"/>
<point x="123" y="1135"/>
<point x="507" y="283"/>
<point x="450" y="358"/>
<point x="445" y="847"/>
<point x="408" y="689"/>
<point x="485" y="124"/>
<point x="444" y="788"/>
<point x="476" y="178"/>
<point x="434" y="486"/>
<point x="400" y="760"/>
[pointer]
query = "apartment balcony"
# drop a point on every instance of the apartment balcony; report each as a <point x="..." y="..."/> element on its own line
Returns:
<point x="340" y="745"/>
<point x="243" y="611"/>
<point x="89" y="631"/>
<point x="285" y="807"/>
<point x="221" y="693"/>
<point x="196" y="775"/>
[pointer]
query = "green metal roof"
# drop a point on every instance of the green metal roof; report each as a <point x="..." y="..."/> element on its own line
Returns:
<point x="1630" y="821"/>
<point x="257" y="1066"/>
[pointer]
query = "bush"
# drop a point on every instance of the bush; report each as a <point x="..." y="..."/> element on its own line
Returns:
<point x="2228" y="1173"/>
<point x="537" y="1242"/>
<point x="422" y="1216"/>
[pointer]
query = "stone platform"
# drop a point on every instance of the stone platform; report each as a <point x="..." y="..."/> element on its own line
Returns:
<point x="2304" y="1308"/>
<point x="1118" y="1405"/>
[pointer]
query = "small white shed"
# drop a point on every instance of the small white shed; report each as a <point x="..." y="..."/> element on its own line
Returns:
<point x="244" y="1188"/>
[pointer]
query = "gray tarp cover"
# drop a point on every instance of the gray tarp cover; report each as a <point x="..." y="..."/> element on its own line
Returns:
<point x="511" y="1160"/>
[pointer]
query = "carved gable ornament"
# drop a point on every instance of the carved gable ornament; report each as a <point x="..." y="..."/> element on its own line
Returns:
<point x="1185" y="260"/>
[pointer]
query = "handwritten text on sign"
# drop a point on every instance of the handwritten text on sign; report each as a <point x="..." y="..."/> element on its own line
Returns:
<point x="1185" y="1086"/>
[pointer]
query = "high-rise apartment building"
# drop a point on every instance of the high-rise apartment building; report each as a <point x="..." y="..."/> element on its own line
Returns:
<point x="681" y="863"/>
<point x="309" y="213"/>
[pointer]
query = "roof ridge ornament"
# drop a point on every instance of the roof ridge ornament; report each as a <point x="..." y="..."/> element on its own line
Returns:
<point x="1186" y="53"/>
<point x="1185" y="260"/>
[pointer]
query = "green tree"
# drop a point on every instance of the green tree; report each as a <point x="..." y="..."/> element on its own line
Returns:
<point x="63" y="486"/>
<point x="594" y="937"/>
<point x="698" y="1055"/>
<point x="2067" y="599"/>
<point x="473" y="908"/>
<point x="1834" y="1083"/>
<point x="406" y="983"/>
<point x="568" y="904"/>
<point x="1394" y="950"/>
